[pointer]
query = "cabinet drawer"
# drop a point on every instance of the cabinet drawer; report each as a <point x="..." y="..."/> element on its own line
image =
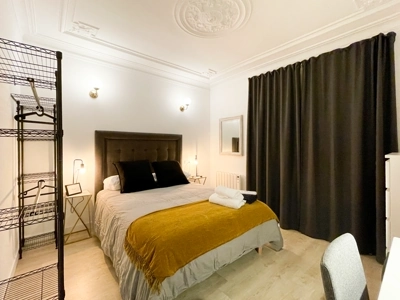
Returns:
<point x="388" y="234"/>
<point x="387" y="173"/>
<point x="387" y="204"/>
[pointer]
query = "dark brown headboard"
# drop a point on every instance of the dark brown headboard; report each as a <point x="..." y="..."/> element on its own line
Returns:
<point x="113" y="146"/>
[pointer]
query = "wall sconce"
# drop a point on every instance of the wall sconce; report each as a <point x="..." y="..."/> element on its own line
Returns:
<point x="77" y="170"/>
<point x="93" y="93"/>
<point x="185" y="104"/>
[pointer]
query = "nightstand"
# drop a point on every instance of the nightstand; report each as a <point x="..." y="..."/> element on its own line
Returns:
<point x="77" y="204"/>
<point x="198" y="179"/>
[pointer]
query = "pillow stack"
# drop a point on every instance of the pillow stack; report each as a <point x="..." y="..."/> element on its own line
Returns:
<point x="112" y="183"/>
<point x="135" y="176"/>
<point x="140" y="175"/>
<point x="169" y="173"/>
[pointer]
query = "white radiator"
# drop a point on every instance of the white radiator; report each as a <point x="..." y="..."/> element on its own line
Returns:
<point x="229" y="180"/>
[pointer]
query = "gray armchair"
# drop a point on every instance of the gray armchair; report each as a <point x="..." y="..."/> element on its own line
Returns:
<point x="342" y="271"/>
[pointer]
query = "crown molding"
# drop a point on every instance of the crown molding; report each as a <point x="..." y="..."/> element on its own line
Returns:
<point x="366" y="4"/>
<point x="25" y="15"/>
<point x="102" y="51"/>
<point x="87" y="32"/>
<point x="31" y="16"/>
<point x="89" y="37"/>
<point x="371" y="14"/>
<point x="112" y="61"/>
<point x="324" y="36"/>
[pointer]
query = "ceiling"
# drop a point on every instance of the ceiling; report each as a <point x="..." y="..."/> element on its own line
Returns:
<point x="202" y="39"/>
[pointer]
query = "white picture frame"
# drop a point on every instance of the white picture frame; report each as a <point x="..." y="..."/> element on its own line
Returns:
<point x="231" y="135"/>
<point x="73" y="189"/>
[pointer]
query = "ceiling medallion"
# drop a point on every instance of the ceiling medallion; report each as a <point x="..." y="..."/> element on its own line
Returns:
<point x="211" y="18"/>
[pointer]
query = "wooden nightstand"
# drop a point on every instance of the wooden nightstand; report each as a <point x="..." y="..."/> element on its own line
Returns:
<point x="78" y="204"/>
<point x="198" y="179"/>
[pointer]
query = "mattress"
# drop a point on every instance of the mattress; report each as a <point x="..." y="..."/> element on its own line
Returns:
<point x="114" y="212"/>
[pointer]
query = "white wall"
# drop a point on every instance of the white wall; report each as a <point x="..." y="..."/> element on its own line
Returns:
<point x="8" y="189"/>
<point x="229" y="97"/>
<point x="129" y="100"/>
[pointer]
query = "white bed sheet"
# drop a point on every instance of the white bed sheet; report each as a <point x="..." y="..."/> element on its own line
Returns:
<point x="114" y="212"/>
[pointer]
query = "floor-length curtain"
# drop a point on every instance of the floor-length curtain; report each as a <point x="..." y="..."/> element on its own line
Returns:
<point x="273" y="139"/>
<point x="317" y="139"/>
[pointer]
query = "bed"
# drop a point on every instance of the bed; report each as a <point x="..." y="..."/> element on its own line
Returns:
<point x="115" y="211"/>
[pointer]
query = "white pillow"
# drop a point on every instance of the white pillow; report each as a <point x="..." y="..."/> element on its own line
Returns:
<point x="187" y="174"/>
<point x="112" y="183"/>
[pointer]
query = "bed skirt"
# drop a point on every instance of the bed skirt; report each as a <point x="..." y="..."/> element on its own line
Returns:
<point x="135" y="286"/>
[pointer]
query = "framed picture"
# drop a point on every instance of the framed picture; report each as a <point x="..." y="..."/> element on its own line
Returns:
<point x="73" y="189"/>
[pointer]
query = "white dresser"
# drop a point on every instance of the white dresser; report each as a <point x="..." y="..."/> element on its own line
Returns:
<point x="391" y="280"/>
<point x="392" y="179"/>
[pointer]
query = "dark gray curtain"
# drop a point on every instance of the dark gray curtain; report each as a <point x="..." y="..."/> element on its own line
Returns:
<point x="318" y="131"/>
<point x="273" y="141"/>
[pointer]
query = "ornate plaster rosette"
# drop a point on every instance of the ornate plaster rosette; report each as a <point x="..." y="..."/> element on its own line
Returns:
<point x="212" y="18"/>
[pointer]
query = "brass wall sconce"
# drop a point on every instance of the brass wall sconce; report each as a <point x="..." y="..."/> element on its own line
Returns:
<point x="93" y="93"/>
<point x="185" y="104"/>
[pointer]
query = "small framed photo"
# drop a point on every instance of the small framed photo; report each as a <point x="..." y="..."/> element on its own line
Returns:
<point x="73" y="189"/>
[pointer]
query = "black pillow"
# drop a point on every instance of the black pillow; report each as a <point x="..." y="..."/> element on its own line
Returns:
<point x="135" y="176"/>
<point x="169" y="173"/>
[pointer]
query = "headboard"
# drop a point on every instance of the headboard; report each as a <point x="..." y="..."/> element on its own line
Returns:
<point x="113" y="146"/>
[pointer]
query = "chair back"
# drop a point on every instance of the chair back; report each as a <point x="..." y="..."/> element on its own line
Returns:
<point x="342" y="271"/>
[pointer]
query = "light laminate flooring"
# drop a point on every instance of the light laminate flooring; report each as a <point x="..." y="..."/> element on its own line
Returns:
<point x="292" y="273"/>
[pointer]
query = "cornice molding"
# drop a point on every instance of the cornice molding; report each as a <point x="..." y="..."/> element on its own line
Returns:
<point x="109" y="60"/>
<point x="25" y="15"/>
<point x="311" y="41"/>
<point x="106" y="53"/>
<point x="88" y="32"/>
<point x="84" y="30"/>
<point x="366" y="4"/>
<point x="131" y="52"/>
<point x="209" y="73"/>
<point x="124" y="57"/>
<point x="30" y="7"/>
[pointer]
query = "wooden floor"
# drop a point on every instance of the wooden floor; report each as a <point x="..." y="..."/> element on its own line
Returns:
<point x="292" y="273"/>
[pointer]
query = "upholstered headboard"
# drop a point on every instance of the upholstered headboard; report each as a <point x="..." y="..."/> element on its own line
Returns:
<point x="113" y="146"/>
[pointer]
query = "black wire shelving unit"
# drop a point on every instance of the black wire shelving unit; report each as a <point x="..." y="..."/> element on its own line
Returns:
<point x="24" y="286"/>
<point x="37" y="68"/>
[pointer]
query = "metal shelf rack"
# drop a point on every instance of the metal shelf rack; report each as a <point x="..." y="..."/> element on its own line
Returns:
<point x="29" y="102"/>
<point x="37" y="284"/>
<point x="21" y="61"/>
<point x="37" y="68"/>
<point x="29" y="134"/>
<point x="10" y="218"/>
<point x="34" y="177"/>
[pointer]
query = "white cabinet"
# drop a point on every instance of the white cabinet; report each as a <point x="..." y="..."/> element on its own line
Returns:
<point x="392" y="179"/>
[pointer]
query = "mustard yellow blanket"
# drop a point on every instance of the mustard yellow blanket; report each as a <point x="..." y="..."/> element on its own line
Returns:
<point x="162" y="242"/>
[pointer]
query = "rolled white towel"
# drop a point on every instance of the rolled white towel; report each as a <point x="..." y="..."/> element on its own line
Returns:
<point x="228" y="202"/>
<point x="228" y="192"/>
